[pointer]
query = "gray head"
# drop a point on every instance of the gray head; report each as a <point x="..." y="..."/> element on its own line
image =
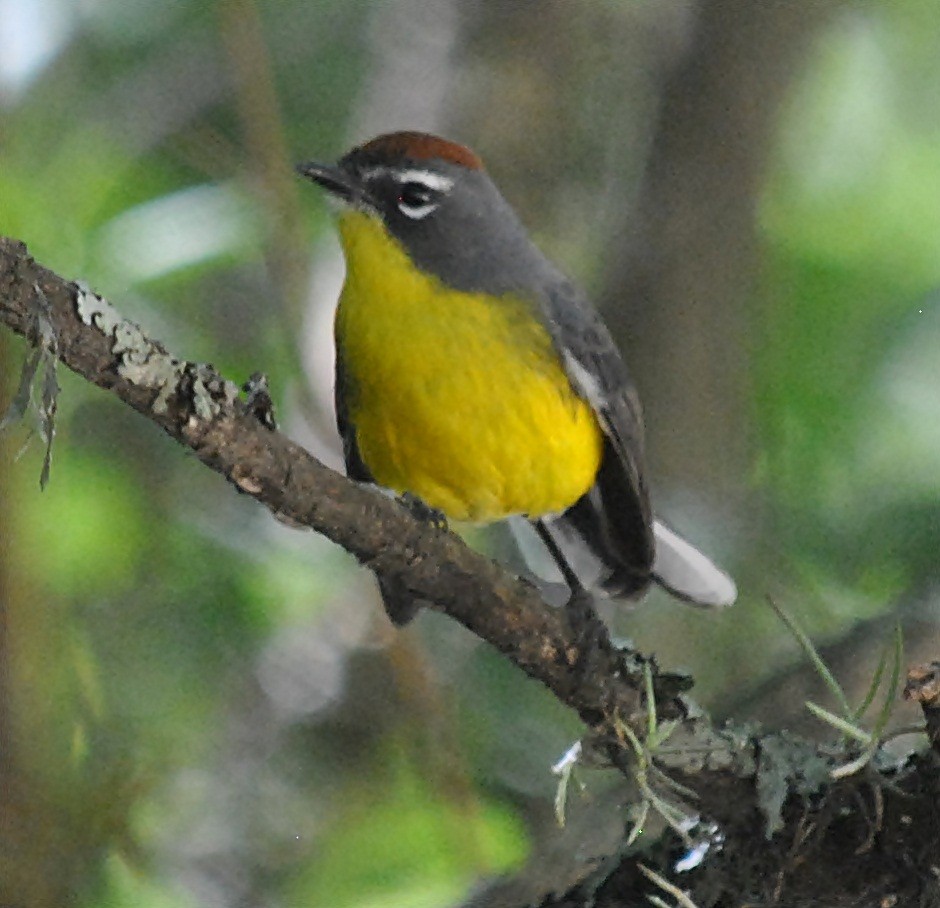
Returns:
<point x="436" y="199"/>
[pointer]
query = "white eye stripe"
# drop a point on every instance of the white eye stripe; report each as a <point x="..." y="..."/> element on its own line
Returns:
<point x="422" y="185"/>
<point x="419" y="191"/>
<point x="436" y="181"/>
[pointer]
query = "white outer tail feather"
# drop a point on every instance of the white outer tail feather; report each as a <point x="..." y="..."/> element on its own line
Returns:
<point x="679" y="567"/>
<point x="687" y="573"/>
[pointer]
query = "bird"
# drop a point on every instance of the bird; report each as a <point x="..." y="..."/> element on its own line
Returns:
<point x="476" y="380"/>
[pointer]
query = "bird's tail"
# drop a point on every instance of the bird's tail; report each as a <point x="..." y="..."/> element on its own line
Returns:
<point x="689" y="574"/>
<point x="678" y="566"/>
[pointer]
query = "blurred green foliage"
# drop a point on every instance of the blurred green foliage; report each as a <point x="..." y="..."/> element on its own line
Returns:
<point x="852" y="227"/>
<point x="203" y="707"/>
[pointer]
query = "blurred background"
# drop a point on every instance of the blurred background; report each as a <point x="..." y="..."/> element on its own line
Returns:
<point x="199" y="706"/>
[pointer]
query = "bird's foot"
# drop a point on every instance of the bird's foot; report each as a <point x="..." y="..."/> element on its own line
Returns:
<point x="590" y="632"/>
<point x="421" y="510"/>
<point x="400" y="606"/>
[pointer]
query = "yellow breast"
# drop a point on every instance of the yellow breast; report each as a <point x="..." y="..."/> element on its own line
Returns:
<point x="456" y="397"/>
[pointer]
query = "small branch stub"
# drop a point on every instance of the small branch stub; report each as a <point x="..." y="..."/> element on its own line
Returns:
<point x="923" y="686"/>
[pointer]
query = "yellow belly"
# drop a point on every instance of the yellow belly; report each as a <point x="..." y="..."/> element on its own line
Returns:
<point x="454" y="397"/>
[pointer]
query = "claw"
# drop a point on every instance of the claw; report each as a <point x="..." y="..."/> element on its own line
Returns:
<point x="590" y="632"/>
<point x="421" y="510"/>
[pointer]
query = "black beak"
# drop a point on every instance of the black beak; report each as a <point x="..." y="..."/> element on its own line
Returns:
<point x="337" y="180"/>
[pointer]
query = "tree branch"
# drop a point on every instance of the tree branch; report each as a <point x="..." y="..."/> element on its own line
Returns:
<point x="202" y="410"/>
<point x="747" y="782"/>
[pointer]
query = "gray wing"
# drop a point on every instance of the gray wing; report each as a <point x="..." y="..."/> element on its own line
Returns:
<point x="614" y="519"/>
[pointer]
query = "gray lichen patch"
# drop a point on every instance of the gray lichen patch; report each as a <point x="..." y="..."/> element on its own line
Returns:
<point x="95" y="310"/>
<point x="209" y="389"/>
<point x="146" y="364"/>
<point x="787" y="766"/>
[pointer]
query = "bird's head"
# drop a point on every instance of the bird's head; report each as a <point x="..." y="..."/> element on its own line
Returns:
<point x="403" y="177"/>
<point x="435" y="199"/>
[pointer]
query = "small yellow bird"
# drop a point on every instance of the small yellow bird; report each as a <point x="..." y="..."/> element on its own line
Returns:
<point x="474" y="376"/>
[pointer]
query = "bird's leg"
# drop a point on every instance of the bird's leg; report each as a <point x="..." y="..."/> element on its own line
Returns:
<point x="421" y="510"/>
<point x="400" y="606"/>
<point x="589" y="630"/>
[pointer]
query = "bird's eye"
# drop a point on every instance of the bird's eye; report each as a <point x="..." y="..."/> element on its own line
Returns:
<point x="416" y="200"/>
